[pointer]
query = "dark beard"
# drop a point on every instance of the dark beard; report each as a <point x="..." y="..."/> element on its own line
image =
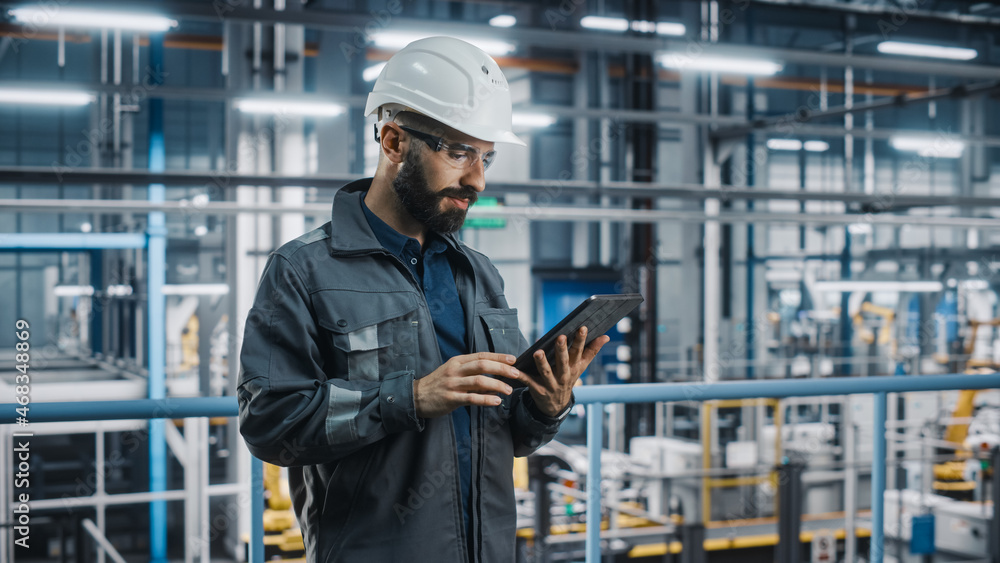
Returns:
<point x="422" y="203"/>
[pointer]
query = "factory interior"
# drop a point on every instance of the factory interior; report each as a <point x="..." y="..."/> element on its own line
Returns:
<point x="806" y="194"/>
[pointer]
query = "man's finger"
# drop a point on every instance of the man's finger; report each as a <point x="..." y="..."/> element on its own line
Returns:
<point x="562" y="357"/>
<point x="502" y="358"/>
<point x="483" y="384"/>
<point x="579" y="341"/>
<point x="594" y="347"/>
<point x="490" y="367"/>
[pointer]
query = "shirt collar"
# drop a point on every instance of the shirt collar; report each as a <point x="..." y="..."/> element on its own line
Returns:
<point x="394" y="241"/>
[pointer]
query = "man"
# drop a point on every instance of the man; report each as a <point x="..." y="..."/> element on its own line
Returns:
<point x="377" y="358"/>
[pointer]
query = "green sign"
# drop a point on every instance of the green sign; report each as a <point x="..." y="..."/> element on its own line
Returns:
<point x="486" y="222"/>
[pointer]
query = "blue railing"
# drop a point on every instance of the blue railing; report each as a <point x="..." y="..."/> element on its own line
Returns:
<point x="595" y="397"/>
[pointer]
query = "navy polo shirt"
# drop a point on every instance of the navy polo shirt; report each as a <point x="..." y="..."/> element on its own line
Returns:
<point x="432" y="270"/>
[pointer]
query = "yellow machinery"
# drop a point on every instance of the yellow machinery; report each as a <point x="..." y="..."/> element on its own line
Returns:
<point x="282" y="537"/>
<point x="885" y="335"/>
<point x="709" y="483"/>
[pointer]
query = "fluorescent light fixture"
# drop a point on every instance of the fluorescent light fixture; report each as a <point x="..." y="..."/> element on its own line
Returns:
<point x="119" y="290"/>
<point x="816" y="146"/>
<point x="784" y="144"/>
<point x="288" y="107"/>
<point x="922" y="50"/>
<point x="398" y="40"/>
<point x="621" y="24"/>
<point x="73" y="290"/>
<point x="783" y="275"/>
<point x="372" y="72"/>
<point x="860" y="228"/>
<point x="731" y="65"/>
<point x="196" y="289"/>
<point x="45" y="97"/>
<point x="503" y="20"/>
<point x="872" y="286"/>
<point x="975" y="285"/>
<point x="931" y="147"/>
<point x="58" y="16"/>
<point x="532" y="119"/>
<point x="604" y="23"/>
<point x="670" y="28"/>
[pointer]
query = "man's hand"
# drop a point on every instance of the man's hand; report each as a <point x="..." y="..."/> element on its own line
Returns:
<point x="461" y="381"/>
<point x="553" y="389"/>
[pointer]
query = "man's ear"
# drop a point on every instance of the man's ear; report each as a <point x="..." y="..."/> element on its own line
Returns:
<point x="391" y="142"/>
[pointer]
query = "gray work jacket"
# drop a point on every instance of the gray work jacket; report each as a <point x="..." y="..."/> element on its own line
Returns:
<point x="338" y="331"/>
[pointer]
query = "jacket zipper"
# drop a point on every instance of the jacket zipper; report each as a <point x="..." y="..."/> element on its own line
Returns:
<point x="467" y="542"/>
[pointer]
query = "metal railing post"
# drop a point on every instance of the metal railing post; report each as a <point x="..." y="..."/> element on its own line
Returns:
<point x="877" y="548"/>
<point x="595" y="423"/>
<point x="256" y="510"/>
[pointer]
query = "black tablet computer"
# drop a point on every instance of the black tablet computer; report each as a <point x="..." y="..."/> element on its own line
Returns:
<point x="598" y="312"/>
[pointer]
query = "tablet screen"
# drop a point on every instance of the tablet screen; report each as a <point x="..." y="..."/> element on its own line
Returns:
<point x="598" y="312"/>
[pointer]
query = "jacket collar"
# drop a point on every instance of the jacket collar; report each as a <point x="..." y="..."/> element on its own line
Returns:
<point x="350" y="231"/>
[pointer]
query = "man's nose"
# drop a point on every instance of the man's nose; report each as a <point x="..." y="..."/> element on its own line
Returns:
<point x="475" y="176"/>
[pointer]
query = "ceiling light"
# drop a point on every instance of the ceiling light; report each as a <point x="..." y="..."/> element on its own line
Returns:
<point x="119" y="290"/>
<point x="670" y="28"/>
<point x="503" y="20"/>
<point x="860" y="228"/>
<point x="930" y="147"/>
<point x="784" y="144"/>
<point x="196" y="289"/>
<point x="604" y="23"/>
<point x="816" y="146"/>
<point x="59" y="16"/>
<point x="73" y="290"/>
<point x="45" y="97"/>
<point x="730" y="65"/>
<point x="922" y="50"/>
<point x="532" y="119"/>
<point x="872" y="286"/>
<point x="288" y="107"/>
<point x="372" y="72"/>
<point x="398" y="40"/>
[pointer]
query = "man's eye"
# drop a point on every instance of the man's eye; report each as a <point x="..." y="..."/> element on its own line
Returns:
<point x="458" y="156"/>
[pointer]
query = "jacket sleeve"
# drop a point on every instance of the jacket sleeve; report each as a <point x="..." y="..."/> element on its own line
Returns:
<point x="529" y="429"/>
<point x="291" y="412"/>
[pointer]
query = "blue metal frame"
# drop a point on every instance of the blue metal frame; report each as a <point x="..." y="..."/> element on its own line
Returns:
<point x="59" y="242"/>
<point x="595" y="397"/>
<point x="156" y="262"/>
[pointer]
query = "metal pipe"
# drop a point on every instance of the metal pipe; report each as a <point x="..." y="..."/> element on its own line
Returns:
<point x="519" y="213"/>
<point x="105" y="545"/>
<point x="778" y="388"/>
<point x="595" y="441"/>
<point x="573" y="40"/>
<point x="850" y="483"/>
<point x="805" y="114"/>
<point x="256" y="510"/>
<point x="896" y="197"/>
<point x="156" y="277"/>
<point x="877" y="548"/>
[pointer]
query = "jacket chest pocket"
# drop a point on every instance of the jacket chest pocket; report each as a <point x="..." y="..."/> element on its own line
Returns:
<point x="500" y="329"/>
<point x="371" y="335"/>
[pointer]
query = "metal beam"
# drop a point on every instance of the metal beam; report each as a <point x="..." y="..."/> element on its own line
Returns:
<point x="524" y="215"/>
<point x="214" y="182"/>
<point x="71" y="241"/>
<point x="804" y="114"/>
<point x="355" y="24"/>
<point x="907" y="11"/>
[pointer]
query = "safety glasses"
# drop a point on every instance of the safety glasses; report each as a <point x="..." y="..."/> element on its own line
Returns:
<point x="458" y="155"/>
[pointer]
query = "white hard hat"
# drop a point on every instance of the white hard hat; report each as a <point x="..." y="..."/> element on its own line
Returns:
<point x="450" y="81"/>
